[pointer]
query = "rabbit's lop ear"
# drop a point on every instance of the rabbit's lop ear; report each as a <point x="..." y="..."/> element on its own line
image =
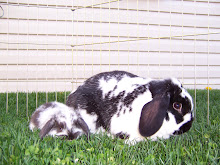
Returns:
<point x="47" y="127"/>
<point x="153" y="114"/>
<point x="82" y="124"/>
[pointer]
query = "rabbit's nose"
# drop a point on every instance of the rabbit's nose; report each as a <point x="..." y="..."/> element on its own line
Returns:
<point x="74" y="135"/>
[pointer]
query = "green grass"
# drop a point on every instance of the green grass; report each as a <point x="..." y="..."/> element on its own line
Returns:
<point x="18" y="145"/>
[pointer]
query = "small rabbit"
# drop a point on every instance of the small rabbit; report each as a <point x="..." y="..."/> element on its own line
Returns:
<point x="132" y="107"/>
<point x="56" y="119"/>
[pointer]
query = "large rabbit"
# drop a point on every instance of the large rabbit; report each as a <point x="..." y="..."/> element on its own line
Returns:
<point x="57" y="119"/>
<point x="132" y="107"/>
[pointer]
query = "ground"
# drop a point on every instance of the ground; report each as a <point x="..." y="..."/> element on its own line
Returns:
<point x="18" y="145"/>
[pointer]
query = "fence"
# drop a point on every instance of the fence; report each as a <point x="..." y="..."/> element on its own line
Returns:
<point x="56" y="45"/>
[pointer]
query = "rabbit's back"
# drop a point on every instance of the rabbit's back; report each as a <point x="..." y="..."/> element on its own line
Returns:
<point x="110" y="99"/>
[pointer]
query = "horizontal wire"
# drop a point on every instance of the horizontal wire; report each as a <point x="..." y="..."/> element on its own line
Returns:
<point x="118" y="41"/>
<point x="56" y="6"/>
<point x="92" y="6"/>
<point x="98" y="36"/>
<point x="107" y="22"/>
<point x="36" y="5"/>
<point x="81" y="80"/>
<point x="209" y="1"/>
<point x="104" y="8"/>
<point x="145" y="38"/>
<point x="107" y="50"/>
<point x="111" y="22"/>
<point x="29" y="43"/>
<point x="82" y="64"/>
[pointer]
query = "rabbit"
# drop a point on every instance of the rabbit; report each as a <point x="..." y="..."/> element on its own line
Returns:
<point x="57" y="119"/>
<point x="133" y="108"/>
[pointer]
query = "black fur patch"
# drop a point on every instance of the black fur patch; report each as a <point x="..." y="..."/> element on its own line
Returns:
<point x="36" y="114"/>
<point x="34" y="118"/>
<point x="50" y="104"/>
<point x="122" y="135"/>
<point x="167" y="117"/>
<point x="153" y="114"/>
<point x="133" y="95"/>
<point x="72" y="136"/>
<point x="184" y="128"/>
<point x="59" y="126"/>
<point x="89" y="96"/>
<point x="159" y="87"/>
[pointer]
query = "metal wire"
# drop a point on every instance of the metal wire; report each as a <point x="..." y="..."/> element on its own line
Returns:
<point x="178" y="37"/>
<point x="208" y="84"/>
<point x="203" y="1"/>
<point x="195" y="69"/>
<point x="81" y="46"/>
<point x="147" y="38"/>
<point x="94" y="7"/>
<point x="2" y="12"/>
<point x="114" y="22"/>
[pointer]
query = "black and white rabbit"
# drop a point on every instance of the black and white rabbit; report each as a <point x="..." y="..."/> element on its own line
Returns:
<point x="57" y="119"/>
<point x="132" y="107"/>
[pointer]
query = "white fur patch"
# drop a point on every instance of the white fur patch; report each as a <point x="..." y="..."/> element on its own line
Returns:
<point x="128" y="123"/>
<point x="32" y="126"/>
<point x="185" y="94"/>
<point x="54" y="133"/>
<point x="126" y="84"/>
<point x="176" y="82"/>
<point x="107" y="86"/>
<point x="90" y="120"/>
<point x="61" y="112"/>
<point x="58" y="111"/>
<point x="169" y="127"/>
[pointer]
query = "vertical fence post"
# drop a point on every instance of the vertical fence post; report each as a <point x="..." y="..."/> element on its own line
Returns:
<point x="208" y="65"/>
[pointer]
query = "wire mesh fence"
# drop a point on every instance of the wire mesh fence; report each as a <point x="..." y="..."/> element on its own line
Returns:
<point x="53" y="46"/>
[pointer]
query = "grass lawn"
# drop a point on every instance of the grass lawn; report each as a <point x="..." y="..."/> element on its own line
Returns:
<point x="18" y="145"/>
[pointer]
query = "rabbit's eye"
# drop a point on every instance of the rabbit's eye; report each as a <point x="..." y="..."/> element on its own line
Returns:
<point x="177" y="106"/>
<point x="62" y="126"/>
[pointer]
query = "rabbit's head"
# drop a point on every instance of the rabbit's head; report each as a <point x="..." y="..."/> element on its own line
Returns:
<point x="170" y="112"/>
<point x="57" y="119"/>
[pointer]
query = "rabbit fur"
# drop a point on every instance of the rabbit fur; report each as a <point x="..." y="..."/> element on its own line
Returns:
<point x="57" y="119"/>
<point x="132" y="107"/>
